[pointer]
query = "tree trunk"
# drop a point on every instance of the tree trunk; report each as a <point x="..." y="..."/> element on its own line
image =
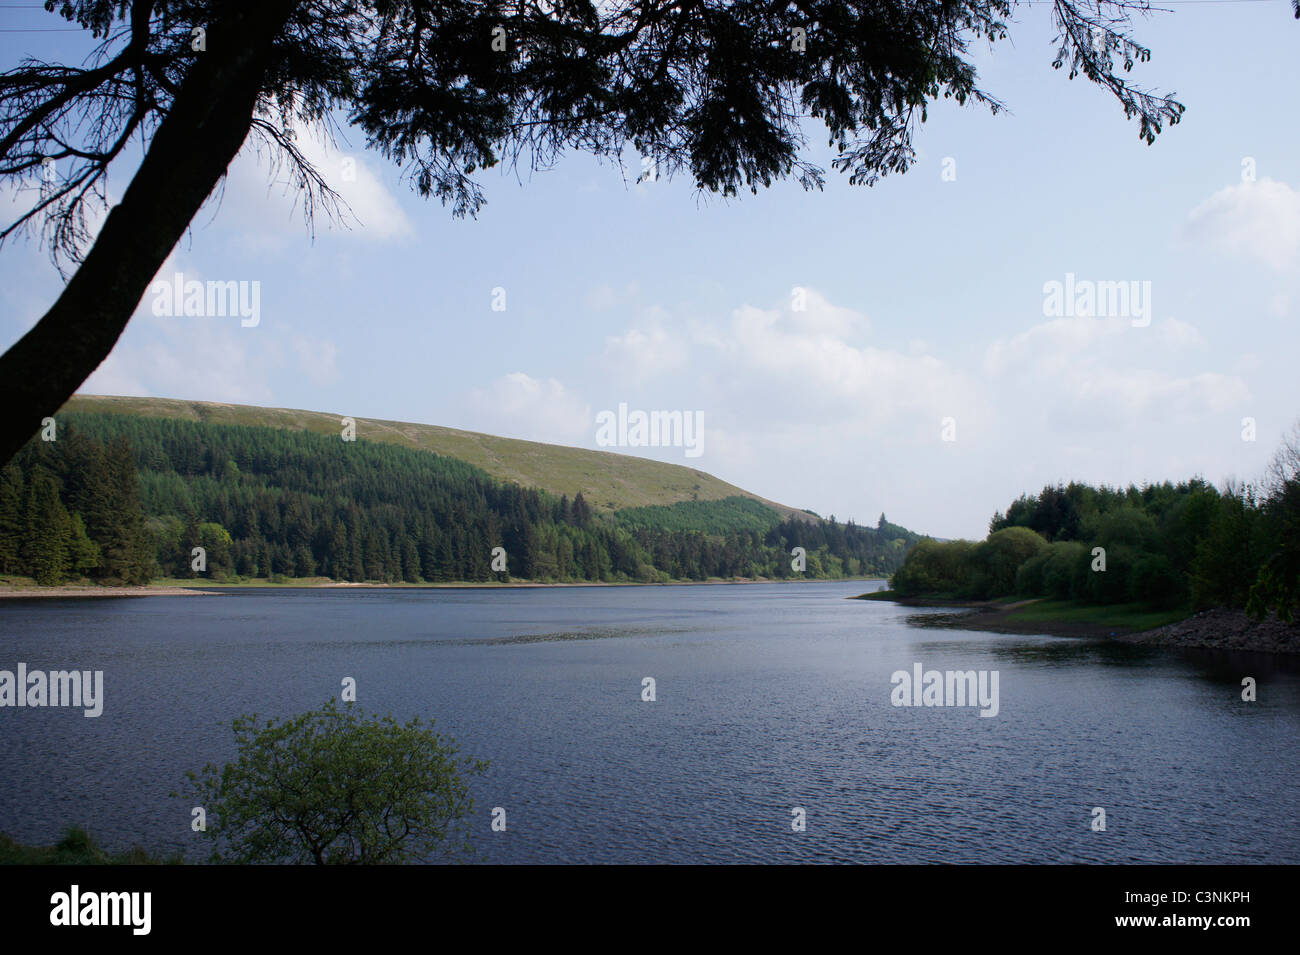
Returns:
<point x="190" y="151"/>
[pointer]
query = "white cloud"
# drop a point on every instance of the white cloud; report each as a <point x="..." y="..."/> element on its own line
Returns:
<point x="212" y="359"/>
<point x="808" y="366"/>
<point x="1256" y="220"/>
<point x="518" y="405"/>
<point x="208" y="359"/>
<point x="803" y="408"/>
<point x="1104" y="369"/>
<point x="818" y="317"/>
<point x="259" y="197"/>
<point x="649" y="350"/>
<point x="317" y="358"/>
<point x="1178" y="334"/>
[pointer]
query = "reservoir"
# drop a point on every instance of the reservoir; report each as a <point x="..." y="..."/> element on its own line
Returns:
<point x="768" y="698"/>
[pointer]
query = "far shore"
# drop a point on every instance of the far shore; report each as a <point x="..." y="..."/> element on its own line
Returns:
<point x="1217" y="629"/>
<point x="174" y="588"/>
<point x="60" y="592"/>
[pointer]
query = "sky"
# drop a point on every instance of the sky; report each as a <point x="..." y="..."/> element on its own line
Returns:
<point x="854" y="351"/>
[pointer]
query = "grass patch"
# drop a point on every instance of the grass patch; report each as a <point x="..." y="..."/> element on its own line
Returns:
<point x="1127" y="616"/>
<point x="15" y="582"/>
<point x="77" y="847"/>
<point x="878" y="595"/>
<point x="922" y="600"/>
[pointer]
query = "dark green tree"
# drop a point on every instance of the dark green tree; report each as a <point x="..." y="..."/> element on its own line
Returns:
<point x="123" y="539"/>
<point x="1227" y="554"/>
<point x="995" y="561"/>
<point x="47" y="531"/>
<point x="83" y="553"/>
<point x="189" y="540"/>
<point x="716" y="88"/>
<point x="218" y="550"/>
<point x="410" y="560"/>
<point x="1277" y="588"/>
<point x="11" y="518"/>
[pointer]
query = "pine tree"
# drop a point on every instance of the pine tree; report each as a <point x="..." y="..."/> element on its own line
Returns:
<point x="356" y="569"/>
<point x="429" y="549"/>
<point x="185" y="550"/>
<point x="376" y="550"/>
<point x="124" y="543"/>
<point x="11" y="519"/>
<point x="337" y="562"/>
<point x="581" y="510"/>
<point x="445" y="565"/>
<point x="83" y="553"/>
<point x="410" y="561"/>
<point x="47" y="531"/>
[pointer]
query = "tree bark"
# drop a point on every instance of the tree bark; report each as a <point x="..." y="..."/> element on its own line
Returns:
<point x="190" y="152"/>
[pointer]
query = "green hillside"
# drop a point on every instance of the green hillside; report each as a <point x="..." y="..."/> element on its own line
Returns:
<point x="710" y="517"/>
<point x="124" y="498"/>
<point x="608" y="481"/>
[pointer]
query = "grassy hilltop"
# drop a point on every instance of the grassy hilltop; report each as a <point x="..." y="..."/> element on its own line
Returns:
<point x="137" y="490"/>
<point x="609" y="481"/>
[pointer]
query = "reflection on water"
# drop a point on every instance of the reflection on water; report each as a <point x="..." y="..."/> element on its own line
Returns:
<point x="768" y="697"/>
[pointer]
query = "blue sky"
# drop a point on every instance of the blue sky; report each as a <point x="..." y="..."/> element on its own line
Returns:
<point x="924" y="296"/>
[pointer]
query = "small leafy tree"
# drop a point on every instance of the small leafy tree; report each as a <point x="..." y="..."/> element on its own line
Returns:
<point x="337" y="786"/>
<point x="935" y="568"/>
<point x="994" y="562"/>
<point x="1277" y="587"/>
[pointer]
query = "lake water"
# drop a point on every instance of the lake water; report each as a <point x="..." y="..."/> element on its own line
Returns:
<point x="768" y="698"/>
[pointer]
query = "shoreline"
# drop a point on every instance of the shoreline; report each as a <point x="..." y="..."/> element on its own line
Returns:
<point x="172" y="589"/>
<point x="1221" y="629"/>
<point x="989" y="617"/>
<point x="1216" y="629"/>
<point x="18" y="593"/>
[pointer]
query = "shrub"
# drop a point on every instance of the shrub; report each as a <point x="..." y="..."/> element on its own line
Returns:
<point x="996" y="561"/>
<point x="1154" y="581"/>
<point x="935" y="568"/>
<point x="336" y="786"/>
<point x="1066" y="570"/>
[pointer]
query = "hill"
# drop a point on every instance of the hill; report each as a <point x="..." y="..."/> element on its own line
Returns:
<point x="608" y="481"/>
<point x="123" y="498"/>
